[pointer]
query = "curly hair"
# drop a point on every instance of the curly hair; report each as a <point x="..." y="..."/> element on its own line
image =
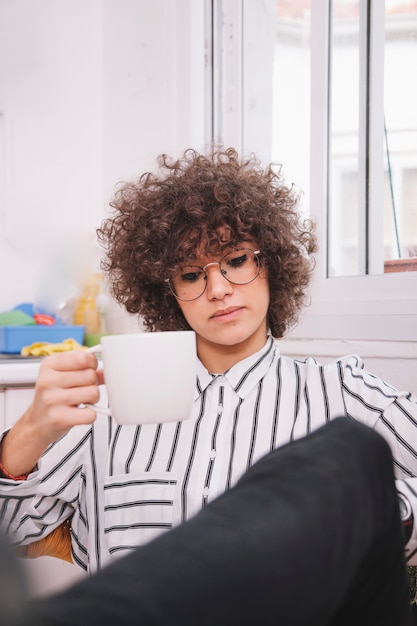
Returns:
<point x="163" y="218"/>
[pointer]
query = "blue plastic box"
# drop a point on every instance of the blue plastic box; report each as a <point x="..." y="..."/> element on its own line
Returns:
<point x="14" y="338"/>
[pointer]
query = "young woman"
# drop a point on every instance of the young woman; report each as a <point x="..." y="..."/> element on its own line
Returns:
<point x="213" y="243"/>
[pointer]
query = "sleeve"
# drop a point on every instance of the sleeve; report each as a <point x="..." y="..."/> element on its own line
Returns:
<point x="393" y="414"/>
<point x="30" y="509"/>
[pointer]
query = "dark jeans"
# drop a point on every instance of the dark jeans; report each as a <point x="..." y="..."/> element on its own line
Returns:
<point x="310" y="535"/>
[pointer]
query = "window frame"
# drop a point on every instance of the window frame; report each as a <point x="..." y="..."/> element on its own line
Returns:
<point x="371" y="306"/>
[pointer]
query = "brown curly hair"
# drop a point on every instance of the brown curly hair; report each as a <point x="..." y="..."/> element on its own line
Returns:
<point x="161" y="219"/>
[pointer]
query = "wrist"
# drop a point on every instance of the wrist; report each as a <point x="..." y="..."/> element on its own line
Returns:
<point x="18" y="453"/>
<point x="6" y="474"/>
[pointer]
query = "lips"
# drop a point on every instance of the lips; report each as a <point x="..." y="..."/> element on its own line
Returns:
<point x="229" y="313"/>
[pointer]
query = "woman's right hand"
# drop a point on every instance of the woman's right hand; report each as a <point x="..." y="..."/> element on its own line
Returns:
<point x="65" y="381"/>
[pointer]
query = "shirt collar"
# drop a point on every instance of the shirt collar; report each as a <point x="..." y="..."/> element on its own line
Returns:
<point x="243" y="376"/>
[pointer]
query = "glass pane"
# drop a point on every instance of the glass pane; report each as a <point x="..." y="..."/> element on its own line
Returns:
<point x="343" y="224"/>
<point x="277" y="87"/>
<point x="400" y="104"/>
<point x="291" y="94"/>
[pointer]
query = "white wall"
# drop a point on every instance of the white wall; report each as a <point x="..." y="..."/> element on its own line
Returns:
<point x="91" y="91"/>
<point x="153" y="73"/>
<point x="393" y="361"/>
<point x="50" y="100"/>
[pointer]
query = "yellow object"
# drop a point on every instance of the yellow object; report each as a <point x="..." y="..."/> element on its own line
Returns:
<point x="56" y="544"/>
<point x="45" y="349"/>
<point x="89" y="310"/>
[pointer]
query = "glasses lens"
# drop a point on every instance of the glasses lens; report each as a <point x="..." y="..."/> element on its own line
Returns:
<point x="188" y="283"/>
<point x="240" y="266"/>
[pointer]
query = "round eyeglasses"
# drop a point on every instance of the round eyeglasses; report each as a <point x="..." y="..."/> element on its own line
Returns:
<point x="239" y="267"/>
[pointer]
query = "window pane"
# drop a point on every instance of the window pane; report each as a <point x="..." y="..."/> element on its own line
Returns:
<point x="400" y="104"/>
<point x="291" y="94"/>
<point x="347" y="231"/>
<point x="276" y="84"/>
<point x="344" y="224"/>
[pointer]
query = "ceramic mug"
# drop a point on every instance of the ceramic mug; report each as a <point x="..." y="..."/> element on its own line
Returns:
<point x="150" y="377"/>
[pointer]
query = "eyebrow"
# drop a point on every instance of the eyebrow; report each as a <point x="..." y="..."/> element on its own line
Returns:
<point x="194" y="260"/>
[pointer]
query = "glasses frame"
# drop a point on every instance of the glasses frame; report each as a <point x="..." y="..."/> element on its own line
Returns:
<point x="255" y="252"/>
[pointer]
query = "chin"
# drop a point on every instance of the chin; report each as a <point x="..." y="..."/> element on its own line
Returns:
<point x="235" y="339"/>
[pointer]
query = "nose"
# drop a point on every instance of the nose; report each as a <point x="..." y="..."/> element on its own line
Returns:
<point x="217" y="285"/>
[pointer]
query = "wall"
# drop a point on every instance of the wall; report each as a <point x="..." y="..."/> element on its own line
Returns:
<point x="51" y="187"/>
<point x="393" y="361"/>
<point x="90" y="93"/>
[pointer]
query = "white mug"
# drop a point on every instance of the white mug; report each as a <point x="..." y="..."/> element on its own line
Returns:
<point x="150" y="377"/>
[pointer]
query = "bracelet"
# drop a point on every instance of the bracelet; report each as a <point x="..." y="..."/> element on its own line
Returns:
<point x="5" y="474"/>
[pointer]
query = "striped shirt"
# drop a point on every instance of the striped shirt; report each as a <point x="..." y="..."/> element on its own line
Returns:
<point x="124" y="485"/>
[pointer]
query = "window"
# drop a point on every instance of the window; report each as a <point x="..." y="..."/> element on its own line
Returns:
<point x="302" y="83"/>
<point x="368" y="304"/>
<point x="261" y="82"/>
<point x="372" y="119"/>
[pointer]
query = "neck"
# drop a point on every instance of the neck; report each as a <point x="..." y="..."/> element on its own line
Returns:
<point x="217" y="359"/>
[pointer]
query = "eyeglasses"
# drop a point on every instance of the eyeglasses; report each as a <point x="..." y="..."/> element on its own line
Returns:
<point x="239" y="267"/>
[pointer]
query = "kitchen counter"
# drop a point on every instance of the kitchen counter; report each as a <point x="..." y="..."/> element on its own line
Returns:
<point x="16" y="370"/>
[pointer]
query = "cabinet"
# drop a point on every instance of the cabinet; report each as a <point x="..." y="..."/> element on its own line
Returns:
<point x="45" y="574"/>
<point x="14" y="401"/>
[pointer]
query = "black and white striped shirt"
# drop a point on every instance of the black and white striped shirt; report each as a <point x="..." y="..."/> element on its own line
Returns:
<point x="125" y="485"/>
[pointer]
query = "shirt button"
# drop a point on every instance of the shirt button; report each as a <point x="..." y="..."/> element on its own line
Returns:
<point x="213" y="454"/>
<point x="206" y="491"/>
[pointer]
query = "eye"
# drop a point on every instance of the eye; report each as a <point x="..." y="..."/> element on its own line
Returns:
<point x="190" y="276"/>
<point x="237" y="261"/>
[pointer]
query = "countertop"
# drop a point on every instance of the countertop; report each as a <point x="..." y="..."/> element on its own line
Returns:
<point x="16" y="370"/>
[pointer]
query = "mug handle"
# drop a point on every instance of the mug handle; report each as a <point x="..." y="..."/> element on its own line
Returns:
<point x="95" y="349"/>
<point x="96" y="407"/>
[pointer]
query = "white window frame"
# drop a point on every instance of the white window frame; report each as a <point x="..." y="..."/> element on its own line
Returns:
<point x="377" y="307"/>
<point x="374" y="307"/>
<point x="227" y="79"/>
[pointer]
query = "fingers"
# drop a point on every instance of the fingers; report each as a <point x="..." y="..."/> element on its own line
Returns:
<point x="65" y="381"/>
<point x="100" y="377"/>
<point x="67" y="370"/>
<point x="72" y="361"/>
